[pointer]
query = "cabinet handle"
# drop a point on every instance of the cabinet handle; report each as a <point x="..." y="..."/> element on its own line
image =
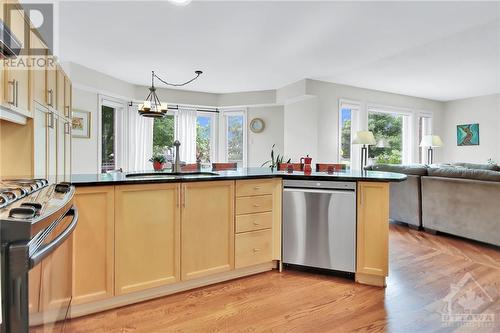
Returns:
<point x="361" y="198"/>
<point x="67" y="128"/>
<point x="51" y="99"/>
<point x="50" y="120"/>
<point x="178" y="199"/>
<point x="256" y="250"/>
<point x="256" y="205"/>
<point x="67" y="110"/>
<point x="256" y="188"/>
<point x="255" y="223"/>
<point x="13" y="83"/>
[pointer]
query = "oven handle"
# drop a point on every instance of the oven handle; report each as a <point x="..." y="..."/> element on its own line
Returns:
<point x="49" y="248"/>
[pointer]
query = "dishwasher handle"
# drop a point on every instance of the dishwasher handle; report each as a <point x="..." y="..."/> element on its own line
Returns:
<point x="315" y="190"/>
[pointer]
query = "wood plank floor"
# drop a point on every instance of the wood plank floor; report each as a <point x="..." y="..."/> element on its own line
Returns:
<point x="422" y="268"/>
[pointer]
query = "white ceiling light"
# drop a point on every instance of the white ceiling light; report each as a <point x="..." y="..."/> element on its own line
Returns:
<point x="180" y="2"/>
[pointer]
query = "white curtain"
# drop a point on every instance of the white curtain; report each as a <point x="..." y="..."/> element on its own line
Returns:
<point x="139" y="140"/>
<point x="186" y="129"/>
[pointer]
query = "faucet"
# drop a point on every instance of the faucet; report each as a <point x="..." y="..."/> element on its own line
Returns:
<point x="177" y="163"/>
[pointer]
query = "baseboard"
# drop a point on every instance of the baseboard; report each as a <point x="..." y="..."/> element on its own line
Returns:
<point x="79" y="310"/>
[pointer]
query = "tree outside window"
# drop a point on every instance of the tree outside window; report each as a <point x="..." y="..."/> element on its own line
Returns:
<point x="163" y="134"/>
<point x="388" y="131"/>
<point x="203" y="138"/>
<point x="235" y="138"/>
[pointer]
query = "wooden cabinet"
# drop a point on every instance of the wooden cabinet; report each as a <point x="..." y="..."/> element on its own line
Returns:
<point x="372" y="233"/>
<point x="68" y="97"/>
<point x="34" y="279"/>
<point x="16" y="86"/>
<point x="38" y="72"/>
<point x="93" y="244"/>
<point x="207" y="228"/>
<point x="257" y="203"/>
<point x="60" y="86"/>
<point x="56" y="289"/>
<point x="40" y="142"/>
<point x="147" y="232"/>
<point x="51" y="86"/>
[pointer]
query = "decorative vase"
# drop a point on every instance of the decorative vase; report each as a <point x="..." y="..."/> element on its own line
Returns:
<point x="158" y="166"/>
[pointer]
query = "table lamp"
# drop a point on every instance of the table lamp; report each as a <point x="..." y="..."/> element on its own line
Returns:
<point x="431" y="141"/>
<point x="366" y="139"/>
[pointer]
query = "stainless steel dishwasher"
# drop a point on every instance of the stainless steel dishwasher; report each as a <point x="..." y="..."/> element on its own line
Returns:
<point x="319" y="224"/>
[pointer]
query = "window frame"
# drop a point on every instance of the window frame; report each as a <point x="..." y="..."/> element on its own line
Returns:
<point x="356" y="109"/>
<point x="223" y="125"/>
<point x="407" y="153"/>
<point x="214" y="133"/>
<point x="120" y="107"/>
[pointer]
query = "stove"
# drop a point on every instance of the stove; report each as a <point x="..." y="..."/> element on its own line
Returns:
<point x="37" y="219"/>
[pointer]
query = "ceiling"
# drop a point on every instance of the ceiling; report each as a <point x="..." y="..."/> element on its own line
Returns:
<point x="436" y="50"/>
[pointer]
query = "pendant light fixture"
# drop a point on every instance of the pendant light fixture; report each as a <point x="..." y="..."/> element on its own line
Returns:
<point x="152" y="107"/>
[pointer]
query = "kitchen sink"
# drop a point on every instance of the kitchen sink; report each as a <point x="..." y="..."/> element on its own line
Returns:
<point x="170" y="174"/>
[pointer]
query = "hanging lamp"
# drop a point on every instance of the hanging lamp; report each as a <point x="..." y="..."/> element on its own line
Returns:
<point x="152" y="107"/>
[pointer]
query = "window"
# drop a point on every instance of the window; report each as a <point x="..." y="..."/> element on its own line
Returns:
<point x="205" y="137"/>
<point x="235" y="149"/>
<point x="391" y="131"/>
<point x="108" y="148"/>
<point x="348" y="125"/>
<point x="164" y="135"/>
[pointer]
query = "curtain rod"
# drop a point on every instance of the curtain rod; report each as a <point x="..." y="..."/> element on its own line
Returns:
<point x="176" y="107"/>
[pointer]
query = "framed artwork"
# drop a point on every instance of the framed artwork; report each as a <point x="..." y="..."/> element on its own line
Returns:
<point x="468" y="135"/>
<point x="80" y="124"/>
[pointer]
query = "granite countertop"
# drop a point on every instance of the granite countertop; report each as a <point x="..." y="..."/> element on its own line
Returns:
<point x="245" y="173"/>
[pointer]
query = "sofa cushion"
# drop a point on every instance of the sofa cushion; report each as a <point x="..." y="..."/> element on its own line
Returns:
<point x="409" y="169"/>
<point x="464" y="173"/>
<point x="492" y="167"/>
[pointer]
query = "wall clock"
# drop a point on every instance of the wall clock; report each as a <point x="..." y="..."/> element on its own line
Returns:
<point x="257" y="125"/>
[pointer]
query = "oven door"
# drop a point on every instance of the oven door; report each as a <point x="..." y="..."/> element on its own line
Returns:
<point x="44" y="297"/>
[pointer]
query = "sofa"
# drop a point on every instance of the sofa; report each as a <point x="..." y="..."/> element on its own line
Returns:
<point x="461" y="199"/>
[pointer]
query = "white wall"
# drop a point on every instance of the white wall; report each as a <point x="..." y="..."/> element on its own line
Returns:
<point x="300" y="129"/>
<point x="484" y="110"/>
<point x="84" y="151"/>
<point x="259" y="144"/>
<point x="329" y="95"/>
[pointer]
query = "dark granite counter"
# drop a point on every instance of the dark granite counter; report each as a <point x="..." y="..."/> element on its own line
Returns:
<point x="245" y="173"/>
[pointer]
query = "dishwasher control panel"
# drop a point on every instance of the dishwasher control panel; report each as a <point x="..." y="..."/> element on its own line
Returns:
<point x="332" y="185"/>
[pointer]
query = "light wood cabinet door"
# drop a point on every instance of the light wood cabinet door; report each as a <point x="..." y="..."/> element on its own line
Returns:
<point x="372" y="232"/>
<point x="147" y="235"/>
<point x="40" y="132"/>
<point x="34" y="279"/>
<point x="207" y="228"/>
<point x="38" y="71"/>
<point x="52" y="146"/>
<point x="51" y="86"/>
<point x="60" y="149"/>
<point x="68" y="97"/>
<point x="93" y="244"/>
<point x="16" y="77"/>
<point x="60" y="85"/>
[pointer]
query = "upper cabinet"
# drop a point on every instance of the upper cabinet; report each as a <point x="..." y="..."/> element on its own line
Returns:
<point x="16" y="87"/>
<point x="68" y="96"/>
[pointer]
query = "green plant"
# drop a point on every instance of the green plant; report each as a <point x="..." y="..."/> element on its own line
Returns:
<point x="491" y="161"/>
<point x="273" y="162"/>
<point x="160" y="158"/>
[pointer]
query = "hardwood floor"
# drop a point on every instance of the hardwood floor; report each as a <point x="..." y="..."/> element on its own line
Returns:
<point x="422" y="269"/>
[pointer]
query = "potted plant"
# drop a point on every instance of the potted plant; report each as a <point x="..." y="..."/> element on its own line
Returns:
<point x="158" y="161"/>
<point x="275" y="162"/>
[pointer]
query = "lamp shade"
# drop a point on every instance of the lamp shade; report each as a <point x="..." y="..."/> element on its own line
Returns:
<point x="431" y="141"/>
<point x="364" y="138"/>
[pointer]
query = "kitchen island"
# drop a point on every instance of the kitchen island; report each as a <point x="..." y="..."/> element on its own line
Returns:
<point x="146" y="235"/>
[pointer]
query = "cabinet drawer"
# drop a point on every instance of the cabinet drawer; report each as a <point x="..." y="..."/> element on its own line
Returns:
<point x="254" y="187"/>
<point x="251" y="222"/>
<point x="257" y="204"/>
<point x="252" y="248"/>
